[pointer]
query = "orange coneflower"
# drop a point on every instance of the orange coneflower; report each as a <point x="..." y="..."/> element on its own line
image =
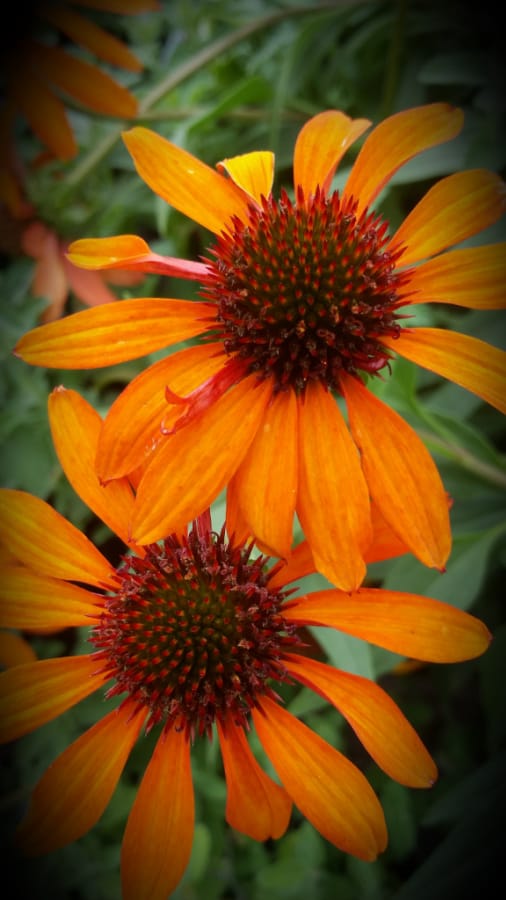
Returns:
<point x="55" y="276"/>
<point x="40" y="75"/>
<point x="195" y="633"/>
<point x="301" y="302"/>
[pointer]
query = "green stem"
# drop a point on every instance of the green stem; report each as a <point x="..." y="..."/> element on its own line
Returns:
<point x="240" y="112"/>
<point x="393" y="61"/>
<point x="185" y="70"/>
<point x="465" y="459"/>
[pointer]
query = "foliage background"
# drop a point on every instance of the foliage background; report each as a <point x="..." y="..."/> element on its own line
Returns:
<point x="221" y="78"/>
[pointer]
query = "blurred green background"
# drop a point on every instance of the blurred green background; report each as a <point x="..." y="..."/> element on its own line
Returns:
<point x="221" y="78"/>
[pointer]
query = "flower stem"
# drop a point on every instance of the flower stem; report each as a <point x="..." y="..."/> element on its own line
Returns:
<point x="393" y="61"/>
<point x="465" y="459"/>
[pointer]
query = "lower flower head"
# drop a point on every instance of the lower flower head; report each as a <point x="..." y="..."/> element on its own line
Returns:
<point x="193" y="633"/>
<point x="198" y="635"/>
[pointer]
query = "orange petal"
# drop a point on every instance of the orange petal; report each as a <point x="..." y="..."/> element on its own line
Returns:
<point x="39" y="536"/>
<point x="256" y="805"/>
<point x="81" y="80"/>
<point x="88" y="34"/>
<point x="107" y="252"/>
<point x="401" y="474"/>
<point x="77" y="787"/>
<point x="301" y="563"/>
<point x="75" y="428"/>
<point x="266" y="480"/>
<point x="14" y="650"/>
<point x="407" y="624"/>
<point x="34" y="601"/>
<point x="127" y="251"/>
<point x="159" y="832"/>
<point x="252" y="172"/>
<point x="50" y="280"/>
<point x="473" y="364"/>
<point x="333" y="498"/>
<point x="44" y="112"/>
<point x="237" y="526"/>
<point x="132" y="427"/>
<point x="329" y="791"/>
<point x="36" y="238"/>
<point x="38" y="692"/>
<point x="395" y="141"/>
<point x="376" y="719"/>
<point x="194" y="464"/>
<point x="320" y="146"/>
<point x="385" y="543"/>
<point x="474" y="278"/>
<point x="11" y="193"/>
<point x="113" y="333"/>
<point x="182" y="180"/>
<point x="89" y="287"/>
<point x="454" y="209"/>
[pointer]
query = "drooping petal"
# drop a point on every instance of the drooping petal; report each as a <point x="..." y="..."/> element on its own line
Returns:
<point x="159" y="832"/>
<point x="329" y="791"/>
<point x="132" y="427"/>
<point x="266" y="480"/>
<point x="44" y="111"/>
<point x="320" y="146"/>
<point x="184" y="181"/>
<point x="395" y="141"/>
<point x="191" y="468"/>
<point x="49" y="280"/>
<point x="256" y="805"/>
<point x="454" y="209"/>
<point x="401" y="474"/>
<point x="252" y="172"/>
<point x="408" y="624"/>
<point x="376" y="719"/>
<point x="38" y="692"/>
<point x="238" y="529"/>
<point x="473" y="364"/>
<point x="28" y="600"/>
<point x="39" y="536"/>
<point x="77" y="787"/>
<point x="89" y="287"/>
<point x="385" y="544"/>
<point x="14" y="650"/>
<point x="82" y="80"/>
<point x="127" y="251"/>
<point x="87" y="34"/>
<point x="333" y="497"/>
<point x="474" y="277"/>
<point x="113" y="333"/>
<point x="75" y="428"/>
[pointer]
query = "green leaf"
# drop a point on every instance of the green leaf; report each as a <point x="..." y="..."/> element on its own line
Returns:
<point x="470" y="68"/>
<point x="464" y="575"/>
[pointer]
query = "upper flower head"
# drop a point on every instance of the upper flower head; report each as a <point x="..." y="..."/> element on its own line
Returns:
<point x="198" y="635"/>
<point x="302" y="299"/>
